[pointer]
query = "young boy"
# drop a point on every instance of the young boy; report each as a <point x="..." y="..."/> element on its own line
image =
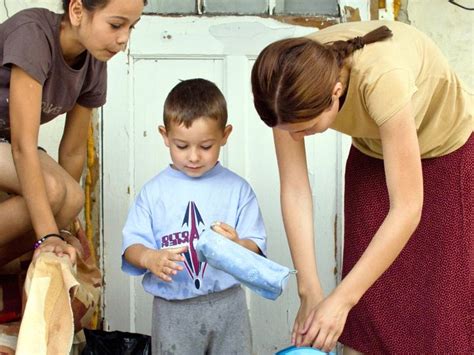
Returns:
<point x="196" y="309"/>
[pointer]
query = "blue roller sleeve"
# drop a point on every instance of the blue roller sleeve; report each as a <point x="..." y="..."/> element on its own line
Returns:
<point x="261" y="275"/>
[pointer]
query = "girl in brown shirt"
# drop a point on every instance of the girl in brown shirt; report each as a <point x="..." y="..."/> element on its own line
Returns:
<point x="52" y="64"/>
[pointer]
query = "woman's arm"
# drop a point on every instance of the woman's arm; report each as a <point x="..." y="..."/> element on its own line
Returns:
<point x="25" y="111"/>
<point x="297" y="210"/>
<point x="73" y="146"/>
<point x="405" y="188"/>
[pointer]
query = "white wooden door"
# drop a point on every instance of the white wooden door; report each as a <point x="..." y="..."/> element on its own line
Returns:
<point x="221" y="49"/>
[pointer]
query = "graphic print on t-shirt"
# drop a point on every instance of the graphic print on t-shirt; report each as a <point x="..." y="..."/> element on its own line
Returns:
<point x="193" y="222"/>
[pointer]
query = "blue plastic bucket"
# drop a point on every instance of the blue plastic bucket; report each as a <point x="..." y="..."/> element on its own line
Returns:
<point x="302" y="350"/>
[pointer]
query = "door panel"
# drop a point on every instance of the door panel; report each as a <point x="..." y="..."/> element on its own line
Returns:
<point x="223" y="50"/>
<point x="153" y="80"/>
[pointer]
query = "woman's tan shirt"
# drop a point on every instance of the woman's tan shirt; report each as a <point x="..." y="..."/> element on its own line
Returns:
<point x="386" y="75"/>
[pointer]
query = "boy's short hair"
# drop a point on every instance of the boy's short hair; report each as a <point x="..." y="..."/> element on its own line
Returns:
<point x="192" y="99"/>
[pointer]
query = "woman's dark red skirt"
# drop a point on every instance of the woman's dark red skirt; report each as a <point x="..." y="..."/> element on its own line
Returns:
<point x="424" y="303"/>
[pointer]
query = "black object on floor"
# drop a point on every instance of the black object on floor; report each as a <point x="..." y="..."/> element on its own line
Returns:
<point x="100" y="342"/>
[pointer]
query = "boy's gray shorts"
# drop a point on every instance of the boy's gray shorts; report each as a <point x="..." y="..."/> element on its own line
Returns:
<point x="214" y="324"/>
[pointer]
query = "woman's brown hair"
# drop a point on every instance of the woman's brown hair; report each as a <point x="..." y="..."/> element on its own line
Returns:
<point x="292" y="79"/>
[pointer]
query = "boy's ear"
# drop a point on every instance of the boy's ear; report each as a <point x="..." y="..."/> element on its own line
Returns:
<point x="76" y="11"/>
<point x="337" y="90"/>
<point x="164" y="134"/>
<point x="227" y="132"/>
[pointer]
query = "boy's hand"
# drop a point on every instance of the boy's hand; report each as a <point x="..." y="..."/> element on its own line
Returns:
<point x="162" y="263"/>
<point x="230" y="233"/>
<point x="226" y="231"/>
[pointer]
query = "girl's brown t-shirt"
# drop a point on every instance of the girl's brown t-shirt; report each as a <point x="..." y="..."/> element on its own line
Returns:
<point x="30" y="40"/>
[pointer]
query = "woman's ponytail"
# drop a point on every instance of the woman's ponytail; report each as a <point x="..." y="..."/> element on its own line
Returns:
<point x="343" y="49"/>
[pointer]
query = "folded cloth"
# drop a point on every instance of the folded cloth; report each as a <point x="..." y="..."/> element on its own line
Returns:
<point x="261" y="275"/>
<point x="84" y="296"/>
<point x="61" y="299"/>
<point x="47" y="326"/>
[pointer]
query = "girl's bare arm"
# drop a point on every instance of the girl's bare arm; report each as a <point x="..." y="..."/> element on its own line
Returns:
<point x="25" y="110"/>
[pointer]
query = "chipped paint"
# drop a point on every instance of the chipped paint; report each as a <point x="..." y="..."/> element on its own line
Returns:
<point x="397" y="4"/>
<point x="351" y="14"/>
<point x="92" y="203"/>
<point x="244" y="36"/>
<point x="374" y="9"/>
<point x="402" y="12"/>
<point x="356" y="10"/>
<point x="92" y="174"/>
<point x="308" y="21"/>
<point x="386" y="10"/>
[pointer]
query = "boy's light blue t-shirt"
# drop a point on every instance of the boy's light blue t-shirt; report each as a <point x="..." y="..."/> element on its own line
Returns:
<point x="173" y="209"/>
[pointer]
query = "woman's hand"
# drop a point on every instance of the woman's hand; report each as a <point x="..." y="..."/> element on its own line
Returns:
<point x="163" y="263"/>
<point x="325" y="323"/>
<point x="307" y="305"/>
<point x="58" y="247"/>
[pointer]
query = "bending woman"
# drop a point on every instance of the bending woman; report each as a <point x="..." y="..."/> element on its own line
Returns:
<point x="52" y="64"/>
<point x="408" y="244"/>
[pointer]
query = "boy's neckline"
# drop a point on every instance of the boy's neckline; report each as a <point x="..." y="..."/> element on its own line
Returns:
<point x="177" y="173"/>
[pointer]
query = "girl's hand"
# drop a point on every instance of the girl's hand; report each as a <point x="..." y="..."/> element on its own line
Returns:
<point x="163" y="263"/>
<point x="226" y="231"/>
<point x="58" y="247"/>
<point x="307" y="304"/>
<point x="325" y="323"/>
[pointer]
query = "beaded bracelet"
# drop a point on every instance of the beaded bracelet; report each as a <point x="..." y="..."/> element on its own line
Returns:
<point x="42" y="240"/>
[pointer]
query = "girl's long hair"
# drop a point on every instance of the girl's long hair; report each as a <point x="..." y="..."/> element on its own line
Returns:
<point x="292" y="79"/>
<point x="91" y="5"/>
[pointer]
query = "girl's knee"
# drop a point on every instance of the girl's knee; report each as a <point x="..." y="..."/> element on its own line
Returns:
<point x="56" y="191"/>
<point x="75" y="198"/>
